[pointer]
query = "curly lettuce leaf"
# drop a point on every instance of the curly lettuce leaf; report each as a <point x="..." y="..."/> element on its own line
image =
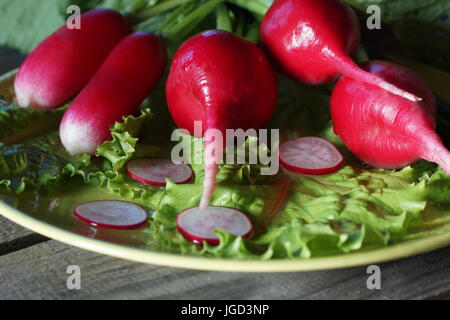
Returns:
<point x="19" y="124"/>
<point x="24" y="167"/>
<point x="303" y="240"/>
<point x="124" y="139"/>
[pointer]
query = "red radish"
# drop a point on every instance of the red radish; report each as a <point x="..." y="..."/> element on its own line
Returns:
<point x="111" y="214"/>
<point x="310" y="155"/>
<point x="198" y="225"/>
<point x="156" y="171"/>
<point x="124" y="80"/>
<point x="312" y="41"/>
<point x="383" y="129"/>
<point x="64" y="63"/>
<point x="225" y="82"/>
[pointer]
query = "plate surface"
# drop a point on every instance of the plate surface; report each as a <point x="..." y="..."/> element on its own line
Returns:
<point x="52" y="216"/>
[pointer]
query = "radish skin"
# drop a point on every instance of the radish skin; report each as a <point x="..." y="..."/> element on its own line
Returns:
<point x="125" y="79"/>
<point x="313" y="40"/>
<point x="224" y="82"/>
<point x="383" y="129"/>
<point x="61" y="65"/>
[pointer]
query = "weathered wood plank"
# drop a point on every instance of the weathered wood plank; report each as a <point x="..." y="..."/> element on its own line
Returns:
<point x="10" y="231"/>
<point x="14" y="237"/>
<point x="39" y="272"/>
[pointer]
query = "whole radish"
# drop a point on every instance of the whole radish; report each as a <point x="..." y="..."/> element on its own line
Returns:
<point x="63" y="63"/>
<point x="224" y="81"/>
<point x="124" y="80"/>
<point x="313" y="40"/>
<point x="383" y="129"/>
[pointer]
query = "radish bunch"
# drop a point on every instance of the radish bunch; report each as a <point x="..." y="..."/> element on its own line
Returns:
<point x="384" y="113"/>
<point x="313" y="40"/>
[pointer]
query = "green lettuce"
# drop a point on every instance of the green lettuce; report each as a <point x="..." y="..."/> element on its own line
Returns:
<point x="18" y="124"/>
<point x="303" y="240"/>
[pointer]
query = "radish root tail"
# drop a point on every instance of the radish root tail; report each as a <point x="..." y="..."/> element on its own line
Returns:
<point x="209" y="184"/>
<point x="212" y="156"/>
<point x="352" y="70"/>
<point x="435" y="151"/>
<point x="440" y="155"/>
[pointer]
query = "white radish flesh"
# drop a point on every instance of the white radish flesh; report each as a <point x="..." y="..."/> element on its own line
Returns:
<point x="198" y="225"/>
<point x="156" y="171"/>
<point x="310" y="155"/>
<point x="111" y="214"/>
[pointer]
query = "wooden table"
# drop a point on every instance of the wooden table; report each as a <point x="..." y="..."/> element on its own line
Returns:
<point x="34" y="267"/>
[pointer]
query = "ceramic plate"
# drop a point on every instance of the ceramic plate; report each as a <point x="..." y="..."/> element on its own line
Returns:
<point x="52" y="216"/>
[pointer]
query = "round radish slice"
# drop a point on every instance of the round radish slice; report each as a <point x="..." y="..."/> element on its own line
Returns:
<point x="111" y="214"/>
<point x="156" y="171"/>
<point x="310" y="155"/>
<point x="198" y="225"/>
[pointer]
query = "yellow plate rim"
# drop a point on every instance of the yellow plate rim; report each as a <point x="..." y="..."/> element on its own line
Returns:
<point x="398" y="251"/>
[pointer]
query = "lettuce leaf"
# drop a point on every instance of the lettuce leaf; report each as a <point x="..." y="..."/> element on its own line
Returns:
<point x="124" y="139"/>
<point x="19" y="124"/>
<point x="40" y="164"/>
<point x="25" y="167"/>
<point x="303" y="240"/>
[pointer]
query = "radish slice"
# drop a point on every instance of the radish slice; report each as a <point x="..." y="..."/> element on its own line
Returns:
<point x="310" y="155"/>
<point x="156" y="171"/>
<point x="111" y="214"/>
<point x="198" y="225"/>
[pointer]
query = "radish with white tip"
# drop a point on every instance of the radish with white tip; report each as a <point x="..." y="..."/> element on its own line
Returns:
<point x="198" y="225"/>
<point x="111" y="214"/>
<point x="156" y="171"/>
<point x="125" y="79"/>
<point x="310" y="155"/>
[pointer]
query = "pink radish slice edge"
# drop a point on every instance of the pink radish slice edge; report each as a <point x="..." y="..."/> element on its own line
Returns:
<point x="198" y="225"/>
<point x="156" y="171"/>
<point x="310" y="155"/>
<point x="111" y="214"/>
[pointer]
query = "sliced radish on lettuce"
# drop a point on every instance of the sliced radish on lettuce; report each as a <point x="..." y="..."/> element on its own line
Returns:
<point x="156" y="171"/>
<point x="112" y="214"/>
<point x="198" y="225"/>
<point x="310" y="155"/>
